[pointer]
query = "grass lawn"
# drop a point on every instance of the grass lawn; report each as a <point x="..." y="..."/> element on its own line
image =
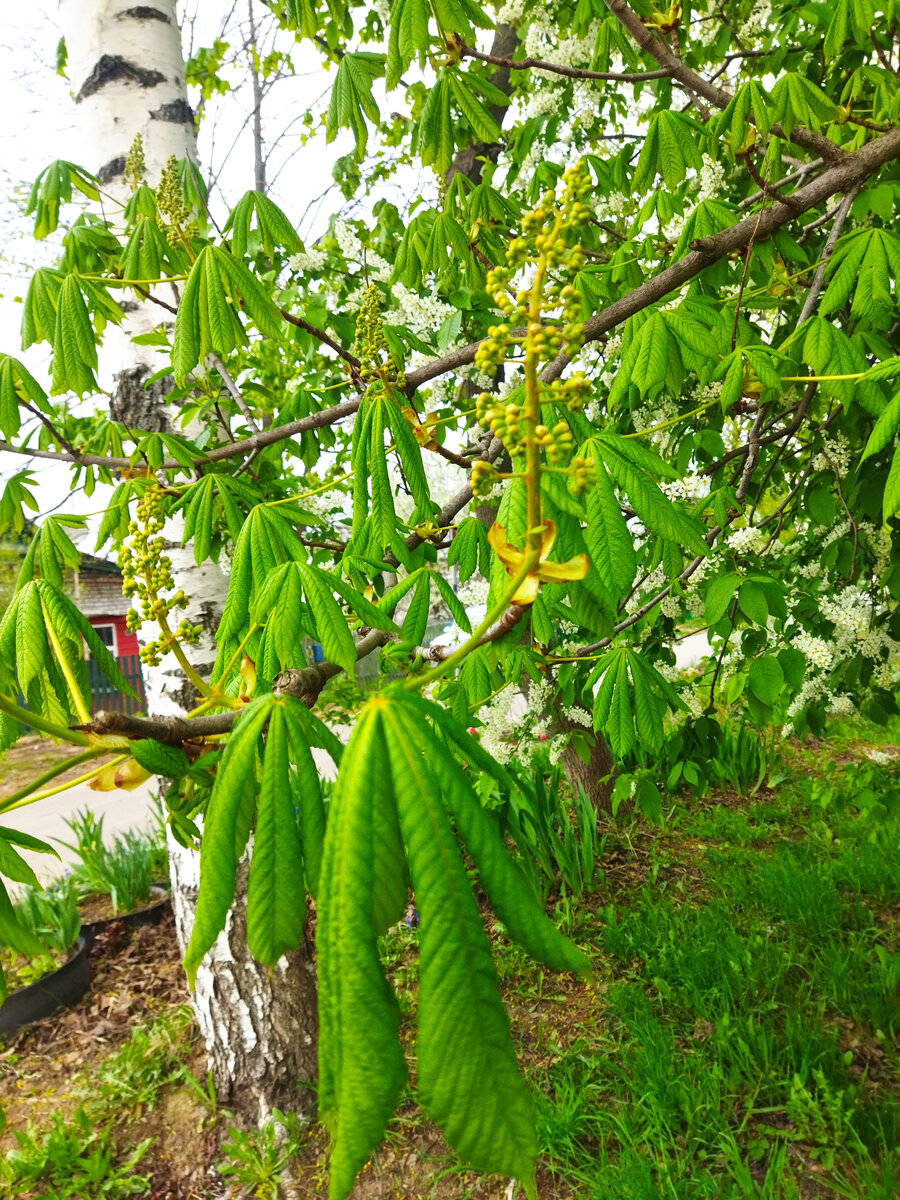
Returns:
<point x="739" y="1039"/>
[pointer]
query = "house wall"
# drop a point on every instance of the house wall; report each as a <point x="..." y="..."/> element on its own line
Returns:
<point x="126" y="641"/>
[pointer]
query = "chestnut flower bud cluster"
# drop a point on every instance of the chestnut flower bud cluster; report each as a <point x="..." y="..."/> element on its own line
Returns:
<point x="551" y="313"/>
<point x="147" y="571"/>
<point x="170" y="203"/>
<point x="376" y="362"/>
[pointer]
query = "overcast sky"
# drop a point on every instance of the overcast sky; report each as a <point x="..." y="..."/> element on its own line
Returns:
<point x="41" y="125"/>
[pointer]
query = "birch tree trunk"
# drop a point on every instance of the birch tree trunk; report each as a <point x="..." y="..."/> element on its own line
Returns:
<point x="126" y="67"/>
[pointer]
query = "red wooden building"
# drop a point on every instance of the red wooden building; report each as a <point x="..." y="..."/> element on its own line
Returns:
<point x="97" y="592"/>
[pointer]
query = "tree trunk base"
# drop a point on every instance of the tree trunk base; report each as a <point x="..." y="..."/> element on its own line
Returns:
<point x="260" y="1026"/>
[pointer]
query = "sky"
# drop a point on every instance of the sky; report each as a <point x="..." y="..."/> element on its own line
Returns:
<point x="45" y="126"/>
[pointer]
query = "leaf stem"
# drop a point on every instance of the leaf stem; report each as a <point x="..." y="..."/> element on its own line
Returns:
<point x="26" y="717"/>
<point x="81" y="708"/>
<point x="12" y="801"/>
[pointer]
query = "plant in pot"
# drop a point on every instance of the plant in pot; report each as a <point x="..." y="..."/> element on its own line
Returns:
<point x="44" y="966"/>
<point x="119" y="880"/>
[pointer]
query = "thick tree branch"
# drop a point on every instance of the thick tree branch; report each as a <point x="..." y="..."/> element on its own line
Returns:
<point x="852" y="170"/>
<point x="694" y="83"/>
<point x="259" y="441"/>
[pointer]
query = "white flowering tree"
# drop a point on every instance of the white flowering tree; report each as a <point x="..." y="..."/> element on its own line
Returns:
<point x="643" y="302"/>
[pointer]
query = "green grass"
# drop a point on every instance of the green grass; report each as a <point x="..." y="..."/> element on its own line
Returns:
<point x="745" y="1045"/>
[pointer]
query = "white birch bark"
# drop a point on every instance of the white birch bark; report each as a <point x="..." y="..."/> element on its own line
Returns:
<point x="126" y="68"/>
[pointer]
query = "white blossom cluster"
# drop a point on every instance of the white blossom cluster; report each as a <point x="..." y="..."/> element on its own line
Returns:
<point x="349" y="244"/>
<point x="670" y="606"/>
<point x="706" y="393"/>
<point x="751" y="540"/>
<point x="606" y="208"/>
<point x="879" y="540"/>
<point x="311" y="260"/>
<point x="511" y="13"/>
<point x="421" y="314"/>
<point x="647" y="417"/>
<point x="691" y="488"/>
<point x="758" y="22"/>
<point x="711" y="178"/>
<point x="841" y="705"/>
<point x="848" y="610"/>
<point x="835" y="455"/>
<point x="886" y="674"/>
<point x="545" y="100"/>
<point x="815" y="650"/>
<point x="809" y="570"/>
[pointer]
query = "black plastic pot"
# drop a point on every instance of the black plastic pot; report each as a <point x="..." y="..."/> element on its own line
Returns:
<point x="62" y="988"/>
<point x="150" y="914"/>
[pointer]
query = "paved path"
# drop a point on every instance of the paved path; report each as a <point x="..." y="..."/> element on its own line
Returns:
<point x="47" y="819"/>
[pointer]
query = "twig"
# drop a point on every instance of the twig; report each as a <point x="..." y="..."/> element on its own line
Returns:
<point x="233" y="391"/>
<point x="812" y="296"/>
<point x="499" y="629"/>
<point x="538" y="64"/>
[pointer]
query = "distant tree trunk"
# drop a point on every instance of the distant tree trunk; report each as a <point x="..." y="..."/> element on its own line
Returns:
<point x="126" y="66"/>
<point x="595" y="775"/>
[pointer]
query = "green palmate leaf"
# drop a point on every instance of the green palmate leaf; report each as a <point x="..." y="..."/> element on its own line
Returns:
<point x="54" y="187"/>
<point x="673" y="144"/>
<point x="169" y="761"/>
<point x="885" y="429"/>
<point x="226" y="828"/>
<point x="457" y="612"/>
<point x="362" y="892"/>
<point x="750" y="104"/>
<point x="408" y="38"/>
<point x="265" y="542"/>
<point x="435" y="130"/>
<point x="351" y="97"/>
<point x="467" y="1074"/>
<point x="891" y="501"/>
<point x="308" y="788"/>
<point x="469" y="542"/>
<point x="74" y="342"/>
<point x="661" y="515"/>
<point x="14" y="866"/>
<point x="384" y="518"/>
<point x="416" y="617"/>
<point x="511" y="898"/>
<point x="218" y="287"/>
<point x="17" y="386"/>
<point x="463" y="86"/>
<point x="795" y="100"/>
<point x="273" y="227"/>
<point x="410" y="455"/>
<point x="39" y="310"/>
<point x="12" y="932"/>
<point x="610" y="545"/>
<point x="367" y="612"/>
<point x="331" y="625"/>
<point x="457" y="16"/>
<point x="276" y="908"/>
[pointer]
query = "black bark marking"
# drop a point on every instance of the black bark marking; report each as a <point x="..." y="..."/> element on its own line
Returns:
<point x="112" y="170"/>
<point x="179" y="112"/>
<point x="143" y="12"/>
<point x="112" y="68"/>
<point x="139" y="407"/>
